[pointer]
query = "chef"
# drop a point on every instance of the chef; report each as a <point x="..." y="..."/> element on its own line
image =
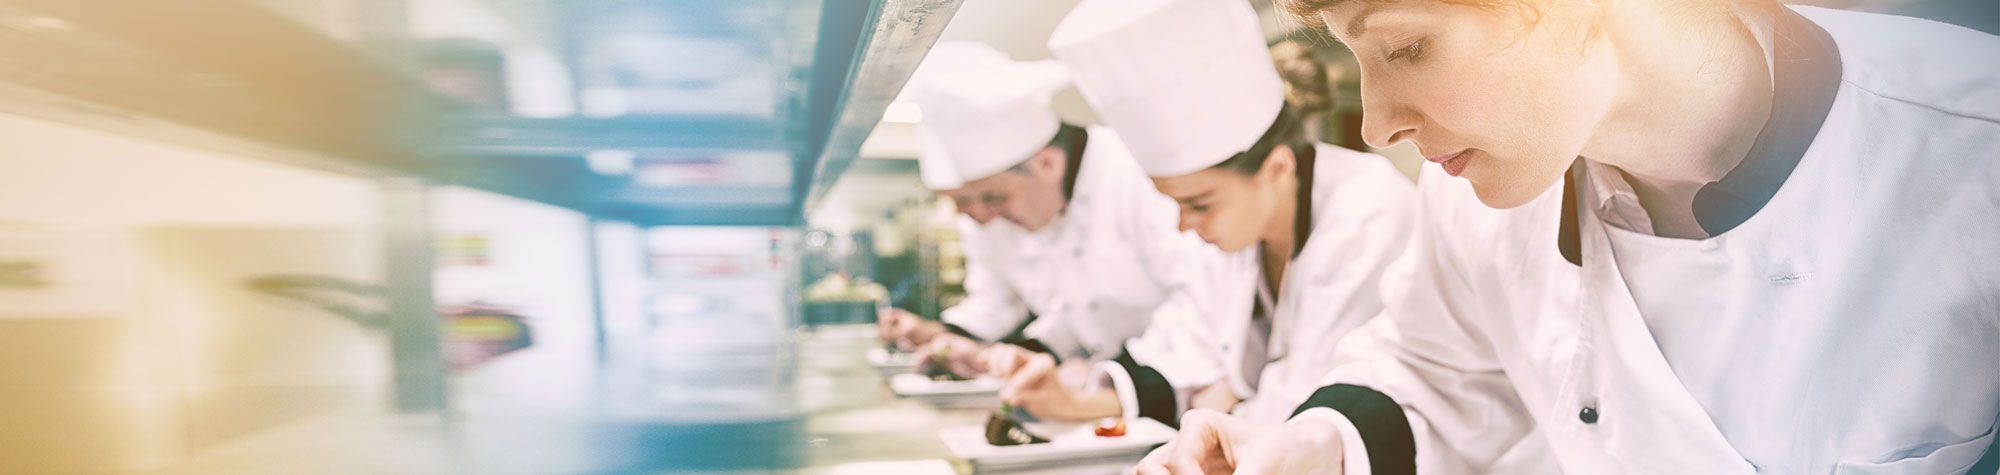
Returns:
<point x="1308" y="227"/>
<point x="992" y="309"/>
<point x="1665" y="237"/>
<point x="1090" y="249"/>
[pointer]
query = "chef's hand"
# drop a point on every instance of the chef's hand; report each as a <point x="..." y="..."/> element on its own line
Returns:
<point x="1075" y="373"/>
<point x="1217" y="397"/>
<point x="1035" y="387"/>
<point x="1211" y="442"/>
<point x="886" y="319"/>
<point x="959" y="353"/>
<point x="905" y="329"/>
<point x="1003" y="360"/>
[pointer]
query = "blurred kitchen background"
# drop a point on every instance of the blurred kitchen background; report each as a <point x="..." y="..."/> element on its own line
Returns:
<point x="488" y="236"/>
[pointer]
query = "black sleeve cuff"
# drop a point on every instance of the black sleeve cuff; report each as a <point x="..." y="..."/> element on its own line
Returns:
<point x="1034" y="345"/>
<point x="1016" y="338"/>
<point x="960" y="331"/>
<point x="1013" y="337"/>
<point x="1019" y="332"/>
<point x="1154" y="393"/>
<point x="1385" y="432"/>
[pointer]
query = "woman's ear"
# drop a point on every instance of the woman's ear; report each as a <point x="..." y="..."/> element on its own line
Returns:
<point x="1279" y="164"/>
<point x="1048" y="164"/>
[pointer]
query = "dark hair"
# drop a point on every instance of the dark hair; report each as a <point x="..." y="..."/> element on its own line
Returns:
<point x="1285" y="130"/>
<point x="1069" y="138"/>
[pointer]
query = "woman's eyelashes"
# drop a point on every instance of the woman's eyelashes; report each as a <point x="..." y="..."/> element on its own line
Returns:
<point x="1411" y="52"/>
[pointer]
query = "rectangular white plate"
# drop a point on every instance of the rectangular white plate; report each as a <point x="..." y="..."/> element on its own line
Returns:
<point x="909" y="467"/>
<point x="903" y="362"/>
<point x="1077" y="443"/>
<point x="919" y="386"/>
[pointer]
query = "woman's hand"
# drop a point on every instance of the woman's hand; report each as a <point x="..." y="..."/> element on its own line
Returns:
<point x="1003" y="360"/>
<point x="1035" y="387"/>
<point x="1212" y="442"/>
<point x="886" y="320"/>
<point x="905" y="329"/>
<point x="959" y="353"/>
<point x="1218" y="397"/>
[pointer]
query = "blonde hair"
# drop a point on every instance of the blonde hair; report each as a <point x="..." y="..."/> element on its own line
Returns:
<point x="1306" y="12"/>
<point x="1308" y="87"/>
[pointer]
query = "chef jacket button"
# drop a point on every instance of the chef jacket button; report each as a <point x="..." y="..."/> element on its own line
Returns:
<point x="1588" y="415"/>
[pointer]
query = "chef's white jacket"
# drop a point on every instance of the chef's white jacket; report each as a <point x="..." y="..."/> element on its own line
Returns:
<point x="1850" y="325"/>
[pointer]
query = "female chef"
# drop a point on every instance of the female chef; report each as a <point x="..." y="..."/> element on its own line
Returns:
<point x="1310" y="227"/>
<point x="1665" y="237"/>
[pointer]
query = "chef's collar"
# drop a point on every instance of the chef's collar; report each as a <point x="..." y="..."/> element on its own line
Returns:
<point x="1805" y="75"/>
<point x="1614" y="201"/>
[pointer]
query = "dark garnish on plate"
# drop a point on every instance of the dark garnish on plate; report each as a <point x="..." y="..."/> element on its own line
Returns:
<point x="1003" y="430"/>
<point x="935" y="368"/>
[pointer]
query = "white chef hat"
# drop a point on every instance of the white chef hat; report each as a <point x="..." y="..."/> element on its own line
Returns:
<point x="1187" y="83"/>
<point x="983" y="110"/>
<point x="934" y="164"/>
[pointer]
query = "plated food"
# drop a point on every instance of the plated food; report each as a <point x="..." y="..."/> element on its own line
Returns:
<point x="937" y="368"/>
<point x="1003" y="430"/>
<point x="1110" y="427"/>
<point x="1009" y="443"/>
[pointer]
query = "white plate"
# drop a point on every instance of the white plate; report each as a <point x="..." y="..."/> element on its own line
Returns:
<point x="1074" y="444"/>
<point x="920" y="386"/>
<point x="910" y="467"/>
<point x="899" y="362"/>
